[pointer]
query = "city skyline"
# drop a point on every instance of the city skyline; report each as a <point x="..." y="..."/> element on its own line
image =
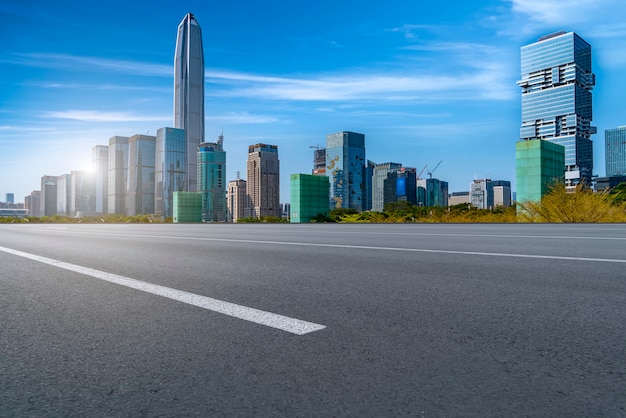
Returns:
<point x="422" y="86"/>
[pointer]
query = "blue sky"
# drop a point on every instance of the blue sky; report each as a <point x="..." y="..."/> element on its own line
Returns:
<point x="424" y="81"/>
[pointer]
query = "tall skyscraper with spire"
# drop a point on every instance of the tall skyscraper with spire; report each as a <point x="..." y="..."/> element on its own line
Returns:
<point x="189" y="91"/>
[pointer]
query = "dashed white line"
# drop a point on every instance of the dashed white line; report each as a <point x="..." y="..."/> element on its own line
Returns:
<point x="269" y="319"/>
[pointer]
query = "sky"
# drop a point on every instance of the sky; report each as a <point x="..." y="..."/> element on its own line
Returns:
<point x="426" y="82"/>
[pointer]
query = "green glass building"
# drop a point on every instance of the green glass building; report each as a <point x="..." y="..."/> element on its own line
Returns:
<point x="539" y="164"/>
<point x="309" y="197"/>
<point x="211" y="180"/>
<point x="187" y="207"/>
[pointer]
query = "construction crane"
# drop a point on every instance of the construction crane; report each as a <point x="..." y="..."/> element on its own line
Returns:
<point x="317" y="147"/>
<point x="420" y="174"/>
<point x="430" y="172"/>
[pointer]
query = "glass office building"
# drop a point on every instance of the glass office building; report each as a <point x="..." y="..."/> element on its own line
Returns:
<point x="189" y="91"/>
<point x="187" y="207"/>
<point x="615" y="151"/>
<point x="556" y="99"/>
<point x="346" y="169"/>
<point x="100" y="162"/>
<point x="118" y="174"/>
<point x="384" y="185"/>
<point x="140" y="190"/>
<point x="211" y="180"/>
<point x="309" y="197"/>
<point x="539" y="164"/>
<point x="170" y="170"/>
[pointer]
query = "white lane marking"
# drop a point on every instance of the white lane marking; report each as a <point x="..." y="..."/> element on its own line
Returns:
<point x="362" y="247"/>
<point x="281" y="322"/>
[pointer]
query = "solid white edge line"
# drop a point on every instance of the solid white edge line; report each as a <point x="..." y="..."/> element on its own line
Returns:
<point x="269" y="319"/>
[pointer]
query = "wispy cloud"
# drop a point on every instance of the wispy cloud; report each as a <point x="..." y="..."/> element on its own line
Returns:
<point x="411" y="31"/>
<point x="104" y="87"/>
<point x="97" y="116"/>
<point x="242" y="118"/>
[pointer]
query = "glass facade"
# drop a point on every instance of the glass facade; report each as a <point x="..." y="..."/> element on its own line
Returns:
<point x="615" y="151"/>
<point x="384" y="185"/>
<point x="64" y="184"/>
<point x="309" y="197"/>
<point x="346" y="169"/>
<point x="187" y="207"/>
<point x="48" y="200"/>
<point x="100" y="162"/>
<point x="189" y="91"/>
<point x="118" y="174"/>
<point x="556" y="99"/>
<point x="539" y="164"/>
<point x="140" y="190"/>
<point x="406" y="185"/>
<point x="82" y="193"/>
<point x="169" y="174"/>
<point x="211" y="181"/>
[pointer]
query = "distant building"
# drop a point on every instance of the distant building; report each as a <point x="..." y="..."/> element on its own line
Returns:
<point x="170" y="169"/>
<point x="556" y="99"/>
<point x="458" y="198"/>
<point x="406" y="185"/>
<point x="432" y="192"/>
<point x="82" y="193"/>
<point x="607" y="183"/>
<point x="212" y="180"/>
<point x="384" y="185"/>
<point x="615" y="151"/>
<point x="263" y="185"/>
<point x="118" y="174"/>
<point x="369" y="185"/>
<point x="64" y="201"/>
<point x="309" y="197"/>
<point x="502" y="193"/>
<point x="9" y="198"/>
<point x="48" y="196"/>
<point x="141" y="173"/>
<point x="187" y="207"/>
<point x="100" y="162"/>
<point x="319" y="162"/>
<point x="488" y="194"/>
<point x="346" y="169"/>
<point x="237" y="200"/>
<point x="539" y="165"/>
<point x="32" y="203"/>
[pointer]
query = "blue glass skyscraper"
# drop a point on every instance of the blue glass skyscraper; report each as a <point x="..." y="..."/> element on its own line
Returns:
<point x="212" y="180"/>
<point x="615" y="151"/>
<point x="556" y="99"/>
<point x="170" y="169"/>
<point x="345" y="167"/>
<point x="189" y="91"/>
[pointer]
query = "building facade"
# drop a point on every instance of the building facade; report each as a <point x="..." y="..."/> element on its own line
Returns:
<point x="187" y="207"/>
<point x="615" y="151"/>
<point x="308" y="196"/>
<point x="538" y="164"/>
<point x="237" y="201"/>
<point x="263" y="181"/>
<point x="82" y="193"/>
<point x="189" y="92"/>
<point x="141" y="174"/>
<point x="64" y="187"/>
<point x="118" y="174"/>
<point x="556" y="99"/>
<point x="319" y="161"/>
<point x="48" y="198"/>
<point x="9" y="197"/>
<point x="384" y="185"/>
<point x="32" y="202"/>
<point x="406" y="185"/>
<point x="212" y="180"/>
<point x="346" y="169"/>
<point x="100" y="163"/>
<point x="170" y="169"/>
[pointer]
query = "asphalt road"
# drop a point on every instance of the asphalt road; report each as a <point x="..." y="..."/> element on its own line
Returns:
<point x="386" y="320"/>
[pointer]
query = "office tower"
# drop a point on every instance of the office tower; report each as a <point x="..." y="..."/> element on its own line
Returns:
<point x="615" y="151"/>
<point x="170" y="170"/>
<point x="237" y="199"/>
<point x="556" y="99"/>
<point x="189" y="91"/>
<point x="211" y="180"/>
<point x="539" y="164"/>
<point x="9" y="198"/>
<point x="459" y="198"/>
<point x="502" y="193"/>
<point x="64" y="186"/>
<point x="345" y="167"/>
<point x="489" y="194"/>
<point x="383" y="185"/>
<point x="82" y="193"/>
<point x="369" y="178"/>
<point x="100" y="163"/>
<point x="140" y="190"/>
<point x="48" y="196"/>
<point x="406" y="185"/>
<point x="187" y="207"/>
<point x="118" y="174"/>
<point x="263" y="183"/>
<point x="308" y="196"/>
<point x="319" y="161"/>
<point x="32" y="202"/>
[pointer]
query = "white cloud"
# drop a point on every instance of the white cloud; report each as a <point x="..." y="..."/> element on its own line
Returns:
<point x="97" y="116"/>
<point x="242" y="118"/>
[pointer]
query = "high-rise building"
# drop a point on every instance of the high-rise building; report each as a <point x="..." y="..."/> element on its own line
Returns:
<point x="488" y="194"/>
<point x="187" y="207"/>
<point x="319" y="161"/>
<point x="502" y="193"/>
<point x="64" y="187"/>
<point x="141" y="160"/>
<point x="406" y="185"/>
<point x="170" y="170"/>
<point x="345" y="167"/>
<point x="263" y="184"/>
<point x="48" y="196"/>
<point x="384" y="185"/>
<point x="237" y="199"/>
<point x="615" y="151"/>
<point x="32" y="202"/>
<point x="189" y="91"/>
<point x="556" y="99"/>
<point x="100" y="163"/>
<point x="83" y="193"/>
<point x="211" y="180"/>
<point x="309" y="197"/>
<point x="539" y="164"/>
<point x="9" y="198"/>
<point x="118" y="174"/>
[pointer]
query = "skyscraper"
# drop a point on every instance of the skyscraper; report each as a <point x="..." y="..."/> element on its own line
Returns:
<point x="118" y="174"/>
<point x="170" y="169"/>
<point x="383" y="185"/>
<point x="82" y="193"/>
<point x="141" y="160"/>
<point x="211" y="180"/>
<point x="237" y="199"/>
<point x="556" y="99"/>
<point x="189" y="91"/>
<point x="48" y="196"/>
<point x="263" y="185"/>
<point x="100" y="162"/>
<point x="345" y="167"/>
<point x="615" y="151"/>
<point x="64" y="195"/>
